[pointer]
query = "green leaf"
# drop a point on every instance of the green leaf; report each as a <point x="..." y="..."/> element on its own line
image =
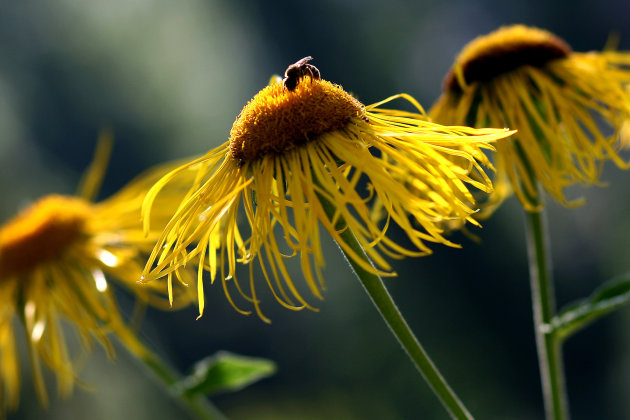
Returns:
<point x="224" y="372"/>
<point x="605" y="299"/>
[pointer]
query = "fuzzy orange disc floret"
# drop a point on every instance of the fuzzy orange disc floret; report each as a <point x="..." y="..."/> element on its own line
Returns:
<point x="504" y="50"/>
<point x="277" y="120"/>
<point x="41" y="232"/>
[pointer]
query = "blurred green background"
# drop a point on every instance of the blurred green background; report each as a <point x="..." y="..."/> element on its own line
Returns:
<point x="170" y="77"/>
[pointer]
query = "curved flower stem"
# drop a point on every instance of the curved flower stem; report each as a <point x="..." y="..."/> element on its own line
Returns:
<point x="547" y="343"/>
<point x="383" y="301"/>
<point x="198" y="406"/>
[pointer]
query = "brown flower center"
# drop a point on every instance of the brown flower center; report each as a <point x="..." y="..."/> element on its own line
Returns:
<point x="277" y="120"/>
<point x="41" y="233"/>
<point x="504" y="50"/>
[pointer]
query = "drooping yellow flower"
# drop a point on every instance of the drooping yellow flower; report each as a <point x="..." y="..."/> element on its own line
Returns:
<point x="289" y="149"/>
<point x="56" y="260"/>
<point x="567" y="107"/>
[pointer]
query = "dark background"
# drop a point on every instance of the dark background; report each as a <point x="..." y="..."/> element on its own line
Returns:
<point x="170" y="77"/>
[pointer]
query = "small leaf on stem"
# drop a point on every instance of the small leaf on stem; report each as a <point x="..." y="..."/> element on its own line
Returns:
<point x="224" y="372"/>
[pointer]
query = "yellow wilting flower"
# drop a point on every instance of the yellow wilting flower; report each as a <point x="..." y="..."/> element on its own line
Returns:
<point x="56" y="260"/>
<point x="293" y="146"/>
<point x="568" y="108"/>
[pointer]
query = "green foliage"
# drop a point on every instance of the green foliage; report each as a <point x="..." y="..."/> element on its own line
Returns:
<point x="605" y="299"/>
<point x="224" y="372"/>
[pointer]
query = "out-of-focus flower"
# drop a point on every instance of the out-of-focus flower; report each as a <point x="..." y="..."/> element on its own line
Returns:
<point x="57" y="258"/>
<point x="567" y="107"/>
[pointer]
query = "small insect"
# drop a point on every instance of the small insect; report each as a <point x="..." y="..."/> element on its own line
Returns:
<point x="298" y="70"/>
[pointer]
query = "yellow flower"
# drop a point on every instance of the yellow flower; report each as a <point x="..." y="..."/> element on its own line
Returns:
<point x="56" y="259"/>
<point x="291" y="149"/>
<point x="568" y="108"/>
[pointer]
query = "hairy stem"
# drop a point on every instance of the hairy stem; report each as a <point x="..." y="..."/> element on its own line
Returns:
<point x="548" y="344"/>
<point x="383" y="301"/>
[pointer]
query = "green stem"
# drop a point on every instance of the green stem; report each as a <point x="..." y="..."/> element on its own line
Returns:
<point x="383" y="301"/>
<point x="548" y="344"/>
<point x="198" y="405"/>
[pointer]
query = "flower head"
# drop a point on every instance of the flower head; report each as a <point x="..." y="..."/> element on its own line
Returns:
<point x="56" y="260"/>
<point x="292" y="149"/>
<point x="568" y="108"/>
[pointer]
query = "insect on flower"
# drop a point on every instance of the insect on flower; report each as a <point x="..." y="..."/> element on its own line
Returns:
<point x="290" y="151"/>
<point x="298" y="70"/>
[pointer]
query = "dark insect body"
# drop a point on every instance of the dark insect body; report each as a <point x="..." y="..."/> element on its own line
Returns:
<point x="297" y="71"/>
